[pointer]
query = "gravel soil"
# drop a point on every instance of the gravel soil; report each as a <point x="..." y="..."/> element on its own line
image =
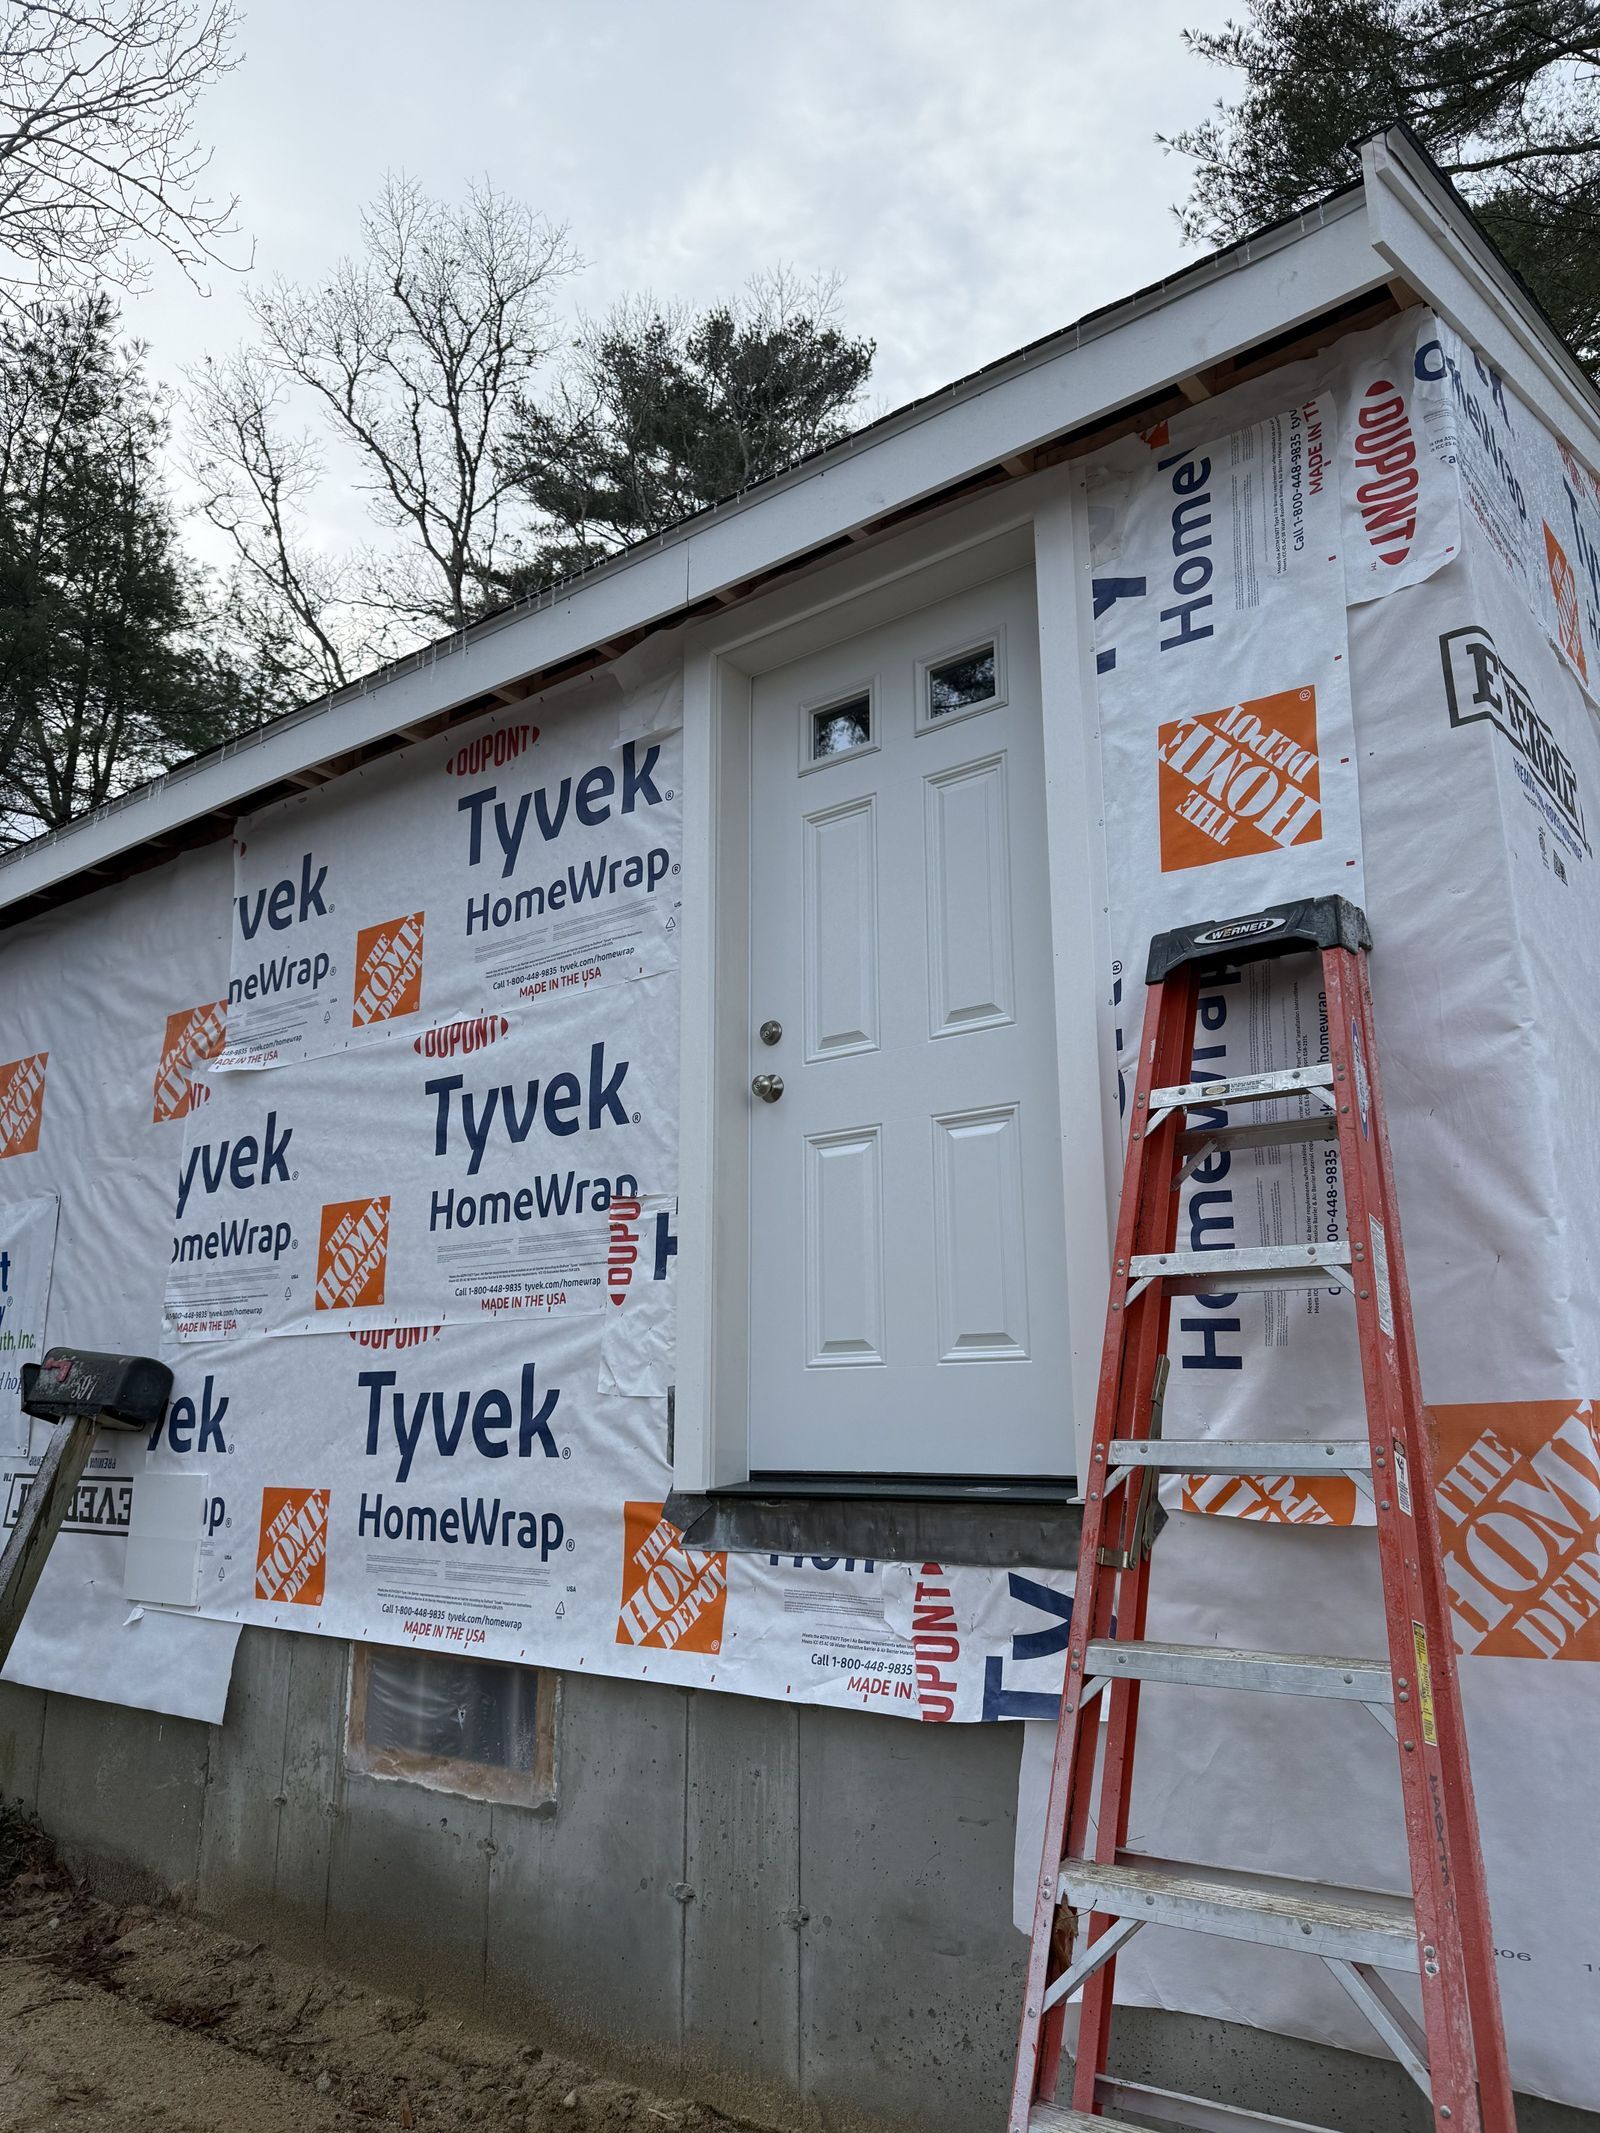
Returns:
<point x="147" y="2018"/>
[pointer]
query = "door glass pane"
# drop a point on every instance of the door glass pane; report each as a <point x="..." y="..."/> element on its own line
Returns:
<point x="956" y="684"/>
<point x="840" y="728"/>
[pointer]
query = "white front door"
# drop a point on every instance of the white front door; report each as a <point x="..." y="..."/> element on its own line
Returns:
<point x="908" y="1309"/>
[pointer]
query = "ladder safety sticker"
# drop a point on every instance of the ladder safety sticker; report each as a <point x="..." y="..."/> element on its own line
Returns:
<point x="1380" y="1276"/>
<point x="1363" y="1086"/>
<point x="1402" y="1478"/>
<point x="1419" y="1639"/>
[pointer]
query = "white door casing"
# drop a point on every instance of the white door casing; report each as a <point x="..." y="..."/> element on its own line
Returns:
<point x="907" y="1280"/>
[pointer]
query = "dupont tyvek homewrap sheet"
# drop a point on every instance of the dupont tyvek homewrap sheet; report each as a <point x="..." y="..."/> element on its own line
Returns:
<point x="1469" y="544"/>
<point x="371" y="1125"/>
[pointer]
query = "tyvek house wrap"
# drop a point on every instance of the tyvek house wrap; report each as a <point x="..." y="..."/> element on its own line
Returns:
<point x="104" y="1007"/>
<point x="1479" y="765"/>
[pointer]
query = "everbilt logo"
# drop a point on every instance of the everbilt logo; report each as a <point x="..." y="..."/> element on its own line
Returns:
<point x="388" y="979"/>
<point x="22" y="1103"/>
<point x="352" y="1253"/>
<point x="672" y="1597"/>
<point x="1386" y="464"/>
<point x="1478" y="685"/>
<point x="1241" y="780"/>
<point x="1564" y="591"/>
<point x="193" y="1034"/>
<point x="292" y="1553"/>
<point x="1518" y="1492"/>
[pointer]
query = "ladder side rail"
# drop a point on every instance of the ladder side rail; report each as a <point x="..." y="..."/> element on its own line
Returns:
<point x="1077" y="1730"/>
<point x="1495" y="2094"/>
<point x="1394" y="1428"/>
<point x="1144" y="1343"/>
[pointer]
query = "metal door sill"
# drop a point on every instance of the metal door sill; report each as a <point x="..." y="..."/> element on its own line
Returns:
<point x="950" y="1519"/>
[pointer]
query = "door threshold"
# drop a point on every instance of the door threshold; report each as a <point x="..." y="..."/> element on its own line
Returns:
<point x="954" y="1520"/>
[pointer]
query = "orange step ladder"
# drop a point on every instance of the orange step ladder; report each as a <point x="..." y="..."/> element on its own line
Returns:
<point x="1093" y="1895"/>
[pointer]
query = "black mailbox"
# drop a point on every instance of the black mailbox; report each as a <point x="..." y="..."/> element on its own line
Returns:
<point x="122" y="1391"/>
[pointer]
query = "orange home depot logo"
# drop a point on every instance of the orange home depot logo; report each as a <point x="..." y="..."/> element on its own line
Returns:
<point x="292" y="1552"/>
<point x="672" y="1597"/>
<point x="352" y="1253"/>
<point x="1239" y="781"/>
<point x="1273" y="1499"/>
<point x="1518" y="1492"/>
<point x="1569" y="617"/>
<point x="388" y="980"/>
<point x="21" y="1104"/>
<point x="193" y="1034"/>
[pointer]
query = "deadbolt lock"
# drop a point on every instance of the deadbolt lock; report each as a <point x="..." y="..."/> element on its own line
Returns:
<point x="770" y="1032"/>
<point x="769" y="1087"/>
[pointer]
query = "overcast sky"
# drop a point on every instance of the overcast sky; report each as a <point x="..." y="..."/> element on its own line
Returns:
<point x="979" y="171"/>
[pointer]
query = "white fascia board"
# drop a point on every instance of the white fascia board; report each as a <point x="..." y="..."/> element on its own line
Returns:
<point x="1270" y="286"/>
<point x="1420" y="230"/>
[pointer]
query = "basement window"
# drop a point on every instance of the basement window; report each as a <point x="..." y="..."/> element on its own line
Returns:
<point x="471" y="1726"/>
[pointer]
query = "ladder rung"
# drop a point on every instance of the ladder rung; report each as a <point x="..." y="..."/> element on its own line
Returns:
<point x="1193" y="2114"/>
<point x="1241" y="1088"/>
<point x="1354" y="1925"/>
<point x="1256" y="1266"/>
<point x="1211" y="1666"/>
<point x="1268" y="1133"/>
<point x="1244" y="1455"/>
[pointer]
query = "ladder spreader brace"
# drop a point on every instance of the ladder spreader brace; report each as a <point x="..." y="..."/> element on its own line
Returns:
<point x="1094" y="1895"/>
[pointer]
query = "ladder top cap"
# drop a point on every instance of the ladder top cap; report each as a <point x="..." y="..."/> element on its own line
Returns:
<point x="1281" y="929"/>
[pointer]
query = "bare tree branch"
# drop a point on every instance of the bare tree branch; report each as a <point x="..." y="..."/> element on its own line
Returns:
<point x="98" y="159"/>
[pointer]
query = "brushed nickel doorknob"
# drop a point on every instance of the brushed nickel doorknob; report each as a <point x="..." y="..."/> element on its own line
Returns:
<point x="769" y="1087"/>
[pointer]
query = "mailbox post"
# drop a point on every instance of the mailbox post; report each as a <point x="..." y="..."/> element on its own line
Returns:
<point x="81" y="1392"/>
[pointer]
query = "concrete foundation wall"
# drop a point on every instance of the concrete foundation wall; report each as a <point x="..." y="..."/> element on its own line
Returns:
<point x="799" y="1915"/>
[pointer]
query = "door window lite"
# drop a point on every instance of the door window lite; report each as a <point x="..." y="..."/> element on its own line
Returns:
<point x="840" y="729"/>
<point x="960" y="684"/>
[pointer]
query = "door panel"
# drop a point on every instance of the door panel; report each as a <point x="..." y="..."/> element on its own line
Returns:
<point x="907" y="1275"/>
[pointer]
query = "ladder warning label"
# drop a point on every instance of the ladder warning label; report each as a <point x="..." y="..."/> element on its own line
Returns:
<point x="1419" y="1639"/>
<point x="1380" y="1276"/>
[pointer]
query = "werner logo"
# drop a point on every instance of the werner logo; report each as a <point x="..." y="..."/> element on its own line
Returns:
<point x="561" y="1102"/>
<point x="591" y="799"/>
<point x="490" y="751"/>
<point x="1569" y="611"/>
<point x="452" y="1040"/>
<point x="22" y="1104"/>
<point x="289" y="902"/>
<point x="242" y="1163"/>
<point x="352" y="1254"/>
<point x="1239" y="781"/>
<point x="388" y="979"/>
<point x="485" y="1420"/>
<point x="1239" y="929"/>
<point x="1479" y="685"/>
<point x="673" y="1597"/>
<point x="1386" y="469"/>
<point x="292" y="1552"/>
<point x="193" y="1034"/>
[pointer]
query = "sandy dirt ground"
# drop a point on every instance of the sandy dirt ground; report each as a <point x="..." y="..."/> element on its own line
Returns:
<point x="141" y="2018"/>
